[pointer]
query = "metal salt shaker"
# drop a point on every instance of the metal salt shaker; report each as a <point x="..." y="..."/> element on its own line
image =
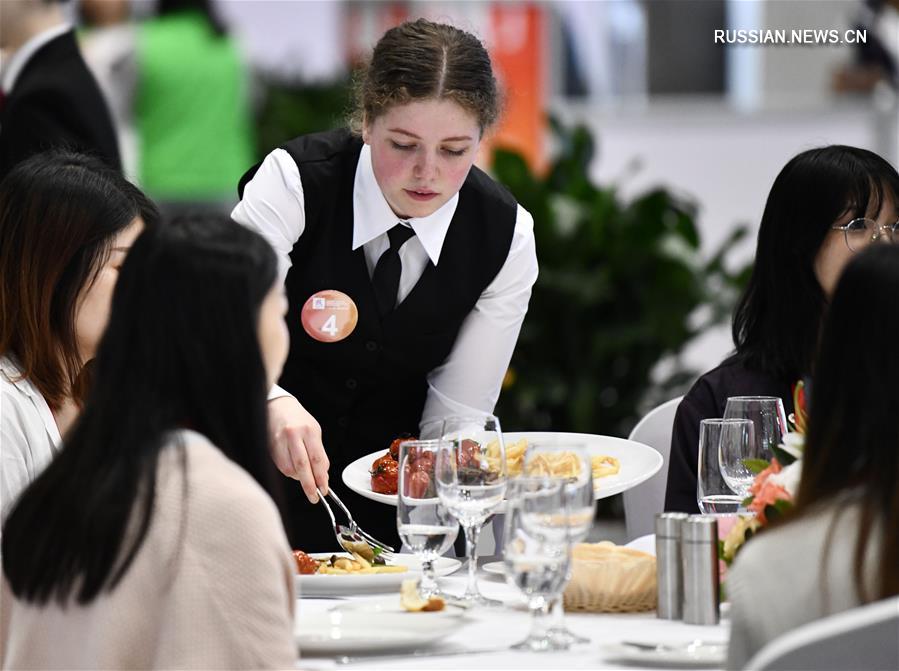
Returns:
<point x="669" y="571"/>
<point x="699" y="536"/>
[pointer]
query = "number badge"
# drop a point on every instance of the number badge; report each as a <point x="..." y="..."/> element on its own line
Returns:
<point x="329" y="316"/>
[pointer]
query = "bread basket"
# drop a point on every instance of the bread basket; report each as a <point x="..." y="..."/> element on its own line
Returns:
<point x="607" y="578"/>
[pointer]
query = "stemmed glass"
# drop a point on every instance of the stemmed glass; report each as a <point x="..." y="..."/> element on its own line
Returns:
<point x="570" y="465"/>
<point x="537" y="552"/>
<point x="738" y="444"/>
<point x="767" y="413"/>
<point x="716" y="437"/>
<point x="471" y="483"/>
<point x="424" y="523"/>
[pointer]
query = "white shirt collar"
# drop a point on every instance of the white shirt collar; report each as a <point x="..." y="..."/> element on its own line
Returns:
<point x="372" y="215"/>
<point x="23" y="54"/>
<point x="9" y="368"/>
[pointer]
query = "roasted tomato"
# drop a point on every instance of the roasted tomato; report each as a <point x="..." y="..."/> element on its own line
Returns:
<point x="380" y="460"/>
<point x="384" y="476"/>
<point x="395" y="446"/>
<point x="469" y="451"/>
<point x="424" y="461"/>
<point x="306" y="565"/>
<point x="418" y="484"/>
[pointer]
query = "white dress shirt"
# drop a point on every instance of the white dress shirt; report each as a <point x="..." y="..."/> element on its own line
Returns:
<point x="470" y="378"/>
<point x="29" y="437"/>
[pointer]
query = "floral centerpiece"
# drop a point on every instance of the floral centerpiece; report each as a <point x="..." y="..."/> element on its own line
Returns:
<point x="776" y="482"/>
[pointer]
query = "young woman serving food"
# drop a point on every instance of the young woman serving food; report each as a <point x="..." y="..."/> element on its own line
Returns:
<point x="408" y="270"/>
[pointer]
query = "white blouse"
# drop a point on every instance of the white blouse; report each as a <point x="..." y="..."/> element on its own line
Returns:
<point x="29" y="437"/>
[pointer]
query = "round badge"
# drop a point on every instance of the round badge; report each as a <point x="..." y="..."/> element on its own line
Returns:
<point x="329" y="315"/>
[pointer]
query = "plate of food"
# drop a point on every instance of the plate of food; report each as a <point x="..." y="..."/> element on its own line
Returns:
<point x="378" y="626"/>
<point x="339" y="573"/>
<point x="618" y="464"/>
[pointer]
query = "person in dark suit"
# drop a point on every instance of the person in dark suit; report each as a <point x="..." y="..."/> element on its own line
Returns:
<point x="48" y="97"/>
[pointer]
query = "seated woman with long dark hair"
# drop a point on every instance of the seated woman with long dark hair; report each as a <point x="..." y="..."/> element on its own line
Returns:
<point x="825" y="205"/>
<point x="66" y="224"/>
<point x="840" y="546"/>
<point x="150" y="541"/>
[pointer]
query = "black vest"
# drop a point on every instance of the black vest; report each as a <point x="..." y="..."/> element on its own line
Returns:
<point x="369" y="388"/>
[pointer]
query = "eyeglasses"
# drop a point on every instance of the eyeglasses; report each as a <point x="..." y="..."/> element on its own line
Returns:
<point x="861" y="232"/>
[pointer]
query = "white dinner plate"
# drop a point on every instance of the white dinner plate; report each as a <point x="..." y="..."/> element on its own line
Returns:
<point x="495" y="568"/>
<point x="368" y="583"/>
<point x="645" y="544"/>
<point x="373" y="627"/>
<point x="684" y="653"/>
<point x="639" y="462"/>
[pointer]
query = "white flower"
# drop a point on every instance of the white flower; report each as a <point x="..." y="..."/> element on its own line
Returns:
<point x="788" y="478"/>
<point x="793" y="444"/>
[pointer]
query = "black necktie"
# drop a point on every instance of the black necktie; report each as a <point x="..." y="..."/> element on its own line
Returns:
<point x="386" y="278"/>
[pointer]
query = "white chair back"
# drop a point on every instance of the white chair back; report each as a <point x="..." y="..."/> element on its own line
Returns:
<point x="648" y="498"/>
<point x="862" y="639"/>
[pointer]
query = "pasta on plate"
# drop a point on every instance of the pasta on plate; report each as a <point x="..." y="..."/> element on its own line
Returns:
<point x="558" y="464"/>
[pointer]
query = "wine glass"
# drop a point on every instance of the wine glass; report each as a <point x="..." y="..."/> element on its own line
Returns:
<point x="570" y="464"/>
<point x="424" y="524"/>
<point x="537" y="552"/>
<point x="767" y="413"/>
<point x="471" y="483"/>
<point x="736" y="446"/>
<point x="713" y="494"/>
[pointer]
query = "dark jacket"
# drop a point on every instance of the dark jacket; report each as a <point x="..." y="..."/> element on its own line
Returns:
<point x="56" y="102"/>
<point x="707" y="399"/>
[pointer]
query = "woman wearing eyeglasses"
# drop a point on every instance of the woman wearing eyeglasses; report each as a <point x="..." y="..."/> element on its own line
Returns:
<point x="826" y="205"/>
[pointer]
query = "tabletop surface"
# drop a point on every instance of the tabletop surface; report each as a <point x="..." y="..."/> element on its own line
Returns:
<point x="496" y="629"/>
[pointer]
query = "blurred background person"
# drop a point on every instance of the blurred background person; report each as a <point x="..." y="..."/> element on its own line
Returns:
<point x="108" y="42"/>
<point x="152" y="534"/>
<point x="876" y="59"/>
<point x="825" y="205"/>
<point x="839" y="547"/>
<point x="67" y="222"/>
<point x="192" y="109"/>
<point x="48" y="97"/>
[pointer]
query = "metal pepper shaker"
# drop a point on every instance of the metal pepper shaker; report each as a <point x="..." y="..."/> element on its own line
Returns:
<point x="699" y="546"/>
<point x="669" y="569"/>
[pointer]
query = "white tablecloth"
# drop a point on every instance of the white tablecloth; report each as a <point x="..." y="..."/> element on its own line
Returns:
<point x="501" y="627"/>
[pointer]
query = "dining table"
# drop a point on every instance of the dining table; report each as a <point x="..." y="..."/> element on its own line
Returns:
<point x="485" y="640"/>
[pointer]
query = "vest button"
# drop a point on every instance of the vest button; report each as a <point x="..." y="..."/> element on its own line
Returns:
<point x="371" y="345"/>
<point x="351" y="383"/>
<point x="343" y="421"/>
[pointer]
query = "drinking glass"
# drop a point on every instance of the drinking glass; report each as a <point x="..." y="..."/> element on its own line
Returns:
<point x="570" y="464"/>
<point x="733" y="450"/>
<point x="471" y="483"/>
<point x="712" y="492"/>
<point x="767" y="413"/>
<point x="537" y="552"/>
<point x="424" y="523"/>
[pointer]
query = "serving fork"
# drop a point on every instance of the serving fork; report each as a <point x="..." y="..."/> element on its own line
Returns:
<point x="350" y="536"/>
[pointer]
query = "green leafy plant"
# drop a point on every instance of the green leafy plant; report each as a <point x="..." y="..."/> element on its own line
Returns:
<point x="622" y="285"/>
<point x="289" y="109"/>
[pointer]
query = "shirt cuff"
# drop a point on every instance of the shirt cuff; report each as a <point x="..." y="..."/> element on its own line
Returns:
<point x="277" y="392"/>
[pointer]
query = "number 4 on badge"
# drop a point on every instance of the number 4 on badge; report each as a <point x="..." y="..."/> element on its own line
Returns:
<point x="330" y="326"/>
<point x="329" y="316"/>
